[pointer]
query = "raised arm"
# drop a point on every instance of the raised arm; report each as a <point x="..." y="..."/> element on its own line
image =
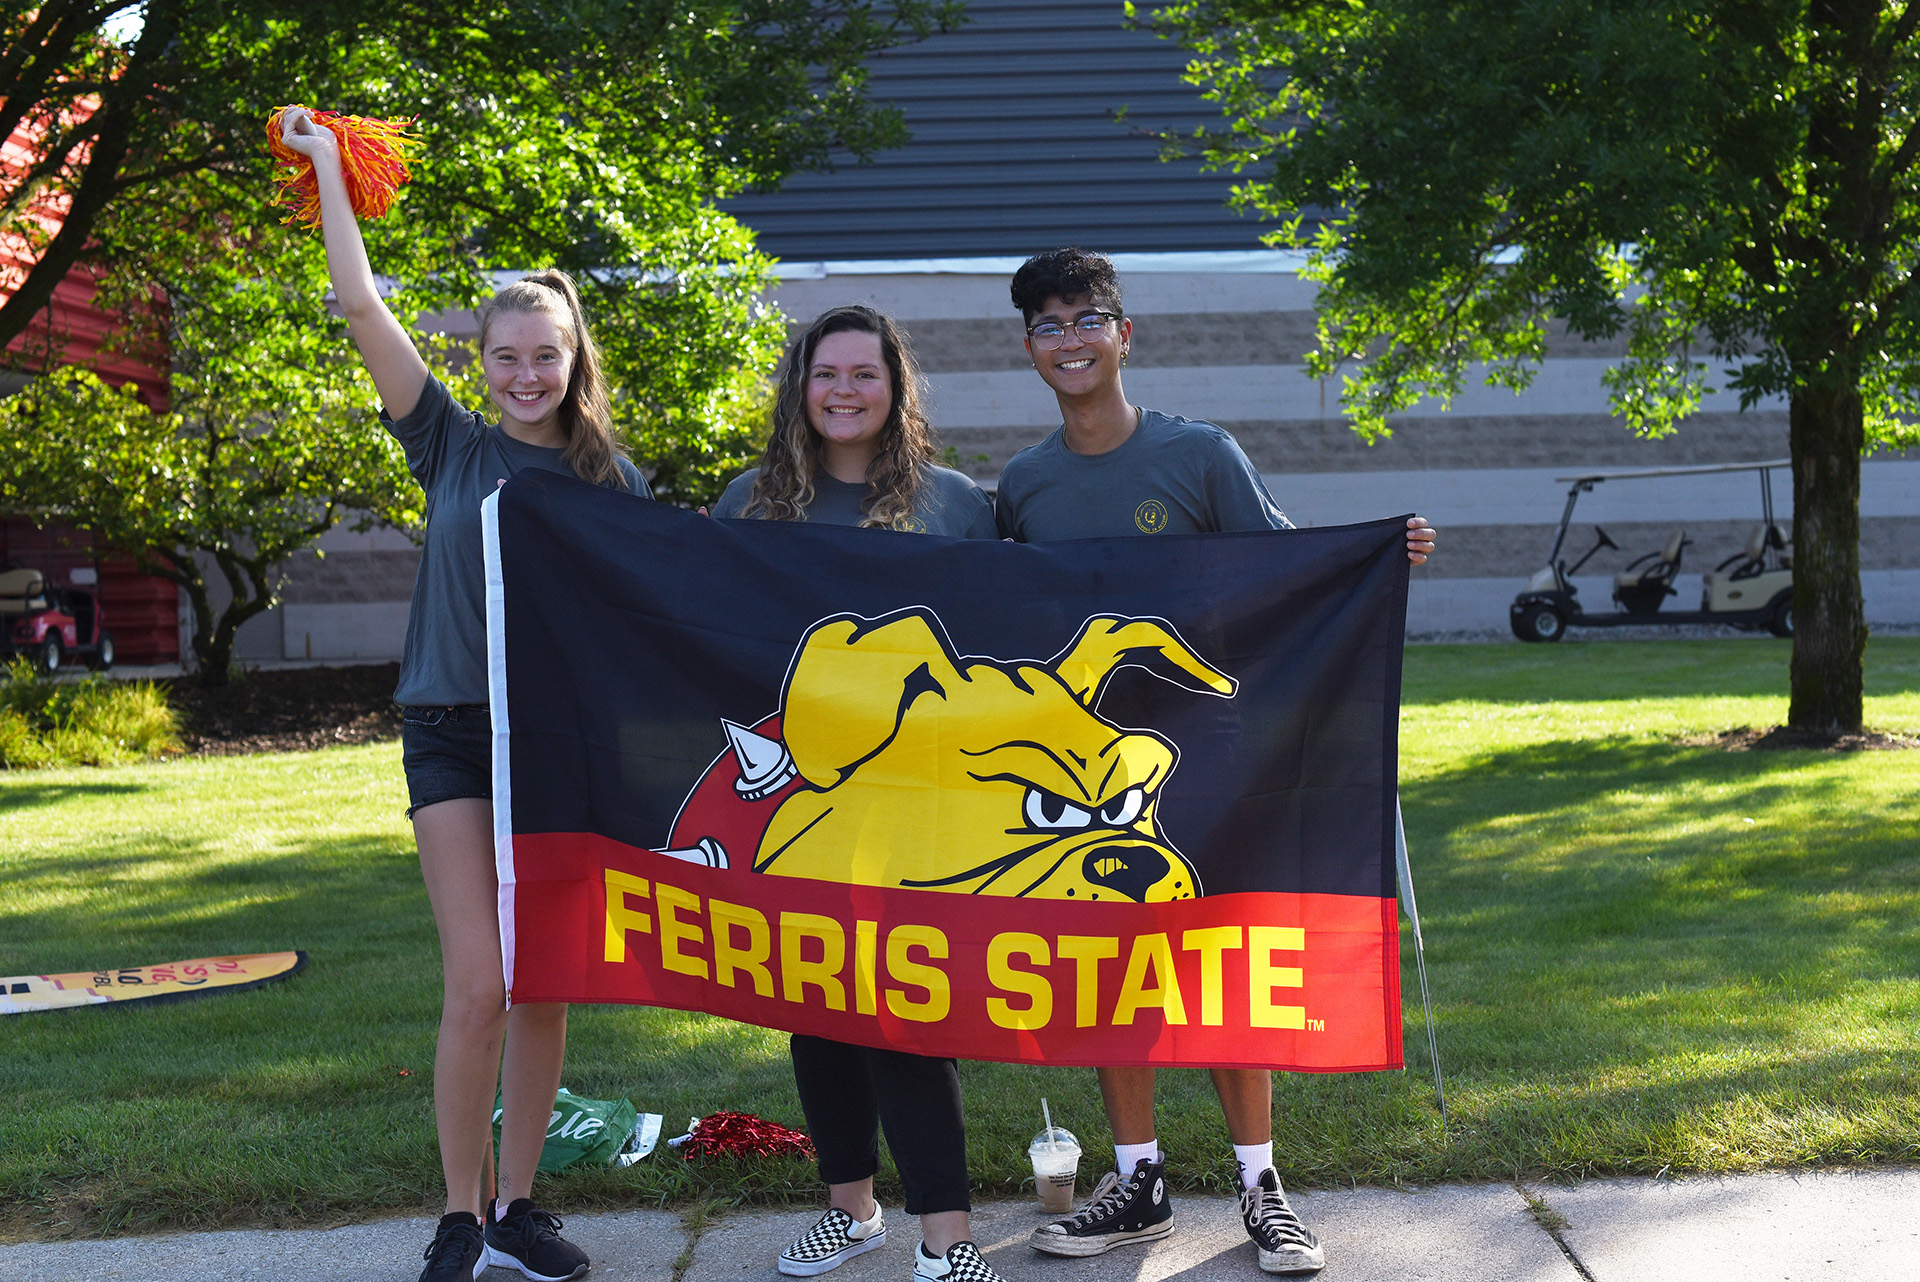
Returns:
<point x="386" y="348"/>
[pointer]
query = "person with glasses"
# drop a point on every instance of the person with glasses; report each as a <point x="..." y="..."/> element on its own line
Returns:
<point x="1111" y="469"/>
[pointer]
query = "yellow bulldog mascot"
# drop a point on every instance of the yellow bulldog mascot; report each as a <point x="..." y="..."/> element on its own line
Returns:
<point x="985" y="776"/>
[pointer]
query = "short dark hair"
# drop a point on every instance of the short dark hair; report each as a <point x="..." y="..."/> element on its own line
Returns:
<point x="1071" y="274"/>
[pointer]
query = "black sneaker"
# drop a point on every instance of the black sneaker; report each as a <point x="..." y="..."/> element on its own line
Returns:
<point x="1132" y="1210"/>
<point x="837" y="1238"/>
<point x="1286" y="1245"/>
<point x="528" y="1238"/>
<point x="458" y="1252"/>
<point x="961" y="1263"/>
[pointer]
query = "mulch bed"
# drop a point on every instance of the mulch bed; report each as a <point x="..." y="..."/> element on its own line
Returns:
<point x="287" y="709"/>
<point x="1748" y="739"/>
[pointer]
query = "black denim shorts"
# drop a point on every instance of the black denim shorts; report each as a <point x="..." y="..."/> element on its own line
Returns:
<point x="447" y="752"/>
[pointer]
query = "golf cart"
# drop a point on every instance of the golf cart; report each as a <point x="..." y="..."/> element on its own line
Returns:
<point x="53" y="624"/>
<point x="1751" y="589"/>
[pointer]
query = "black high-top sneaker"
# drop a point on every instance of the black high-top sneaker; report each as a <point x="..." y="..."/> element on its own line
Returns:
<point x="1135" y="1209"/>
<point x="1286" y="1245"/>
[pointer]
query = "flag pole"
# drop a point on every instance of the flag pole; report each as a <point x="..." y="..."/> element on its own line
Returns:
<point x="1419" y="954"/>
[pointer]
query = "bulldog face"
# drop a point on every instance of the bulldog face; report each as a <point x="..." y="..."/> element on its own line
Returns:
<point x="925" y="770"/>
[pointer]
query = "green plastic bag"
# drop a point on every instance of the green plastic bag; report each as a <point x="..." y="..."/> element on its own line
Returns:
<point x="592" y="1132"/>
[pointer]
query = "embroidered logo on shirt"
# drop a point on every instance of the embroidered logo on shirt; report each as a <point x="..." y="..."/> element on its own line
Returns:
<point x="1151" y="516"/>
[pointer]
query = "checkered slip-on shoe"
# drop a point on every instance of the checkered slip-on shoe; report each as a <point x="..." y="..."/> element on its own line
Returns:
<point x="1286" y="1245"/>
<point x="837" y="1238"/>
<point x="961" y="1263"/>
<point x="1135" y="1209"/>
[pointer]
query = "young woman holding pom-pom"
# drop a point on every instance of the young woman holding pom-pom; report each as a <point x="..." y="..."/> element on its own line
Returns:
<point x="543" y="374"/>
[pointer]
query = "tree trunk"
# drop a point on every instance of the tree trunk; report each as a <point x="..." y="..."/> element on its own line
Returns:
<point x="213" y="668"/>
<point x="1829" y="618"/>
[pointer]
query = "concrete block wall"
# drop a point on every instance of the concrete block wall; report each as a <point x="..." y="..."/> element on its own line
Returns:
<point x="344" y="602"/>
<point x="1219" y="336"/>
<point x="1226" y="345"/>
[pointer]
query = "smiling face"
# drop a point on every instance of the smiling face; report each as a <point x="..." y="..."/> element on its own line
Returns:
<point x="528" y="358"/>
<point x="849" y="392"/>
<point x="1078" y="367"/>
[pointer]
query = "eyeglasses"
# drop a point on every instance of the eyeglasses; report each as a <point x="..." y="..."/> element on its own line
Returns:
<point x="1048" y="335"/>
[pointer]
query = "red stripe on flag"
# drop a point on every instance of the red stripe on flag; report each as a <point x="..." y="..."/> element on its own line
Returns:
<point x="1291" y="981"/>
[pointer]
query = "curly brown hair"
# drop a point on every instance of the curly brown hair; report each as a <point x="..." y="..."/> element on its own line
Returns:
<point x="784" y="489"/>
<point x="585" y="412"/>
<point x="1073" y="275"/>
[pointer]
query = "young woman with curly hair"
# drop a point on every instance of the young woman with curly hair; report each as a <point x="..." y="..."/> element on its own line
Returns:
<point x="851" y="445"/>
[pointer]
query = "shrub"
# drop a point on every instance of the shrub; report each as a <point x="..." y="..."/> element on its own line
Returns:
<point x="90" y="722"/>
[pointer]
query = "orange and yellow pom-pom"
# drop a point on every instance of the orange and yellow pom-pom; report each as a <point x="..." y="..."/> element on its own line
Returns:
<point x="373" y="158"/>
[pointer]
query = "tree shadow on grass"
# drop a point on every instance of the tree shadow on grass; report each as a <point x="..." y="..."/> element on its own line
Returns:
<point x="1599" y="670"/>
<point x="1608" y="903"/>
<point x="133" y="899"/>
<point x="17" y="795"/>
<point x="1782" y="1108"/>
<point x="239" y="1107"/>
<point x="1638" y="793"/>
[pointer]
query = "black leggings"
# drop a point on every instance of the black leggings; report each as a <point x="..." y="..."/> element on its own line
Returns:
<point x="850" y="1092"/>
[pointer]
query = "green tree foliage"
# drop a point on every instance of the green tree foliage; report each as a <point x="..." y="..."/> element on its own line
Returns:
<point x="1729" y="183"/>
<point x="583" y="134"/>
<point x="592" y="135"/>
<point x="577" y="133"/>
<point x="266" y="443"/>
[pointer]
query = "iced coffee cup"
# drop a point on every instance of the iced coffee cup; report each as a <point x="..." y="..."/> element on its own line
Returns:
<point x="1056" y="1164"/>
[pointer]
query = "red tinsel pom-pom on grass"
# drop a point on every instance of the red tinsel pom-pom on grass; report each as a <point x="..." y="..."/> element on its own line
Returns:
<point x="373" y="158"/>
<point x="744" y="1135"/>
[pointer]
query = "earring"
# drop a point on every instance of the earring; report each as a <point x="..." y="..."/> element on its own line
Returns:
<point x="1123" y="358"/>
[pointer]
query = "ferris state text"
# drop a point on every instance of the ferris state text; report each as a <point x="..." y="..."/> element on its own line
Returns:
<point x="1028" y="980"/>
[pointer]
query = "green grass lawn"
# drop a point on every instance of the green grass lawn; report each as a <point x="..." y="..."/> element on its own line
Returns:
<point x="1645" y="956"/>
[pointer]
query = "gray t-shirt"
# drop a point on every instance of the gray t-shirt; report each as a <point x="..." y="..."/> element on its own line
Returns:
<point x="1172" y="476"/>
<point x="459" y="459"/>
<point x="949" y="503"/>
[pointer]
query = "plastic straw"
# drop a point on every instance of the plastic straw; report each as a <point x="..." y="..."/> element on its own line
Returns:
<point x="1047" y="1117"/>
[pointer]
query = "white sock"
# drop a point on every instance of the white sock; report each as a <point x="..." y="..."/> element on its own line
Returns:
<point x="1253" y="1159"/>
<point x="1127" y="1156"/>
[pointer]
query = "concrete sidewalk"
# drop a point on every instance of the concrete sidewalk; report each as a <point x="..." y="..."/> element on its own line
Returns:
<point x="1844" y="1226"/>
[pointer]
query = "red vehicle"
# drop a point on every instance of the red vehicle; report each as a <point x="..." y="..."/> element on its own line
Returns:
<point x="53" y="625"/>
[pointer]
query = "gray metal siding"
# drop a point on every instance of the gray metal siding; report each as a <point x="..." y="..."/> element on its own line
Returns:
<point x="1015" y="149"/>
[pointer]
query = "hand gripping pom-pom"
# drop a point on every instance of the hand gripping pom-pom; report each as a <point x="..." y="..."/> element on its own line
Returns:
<point x="744" y="1135"/>
<point x="373" y="159"/>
